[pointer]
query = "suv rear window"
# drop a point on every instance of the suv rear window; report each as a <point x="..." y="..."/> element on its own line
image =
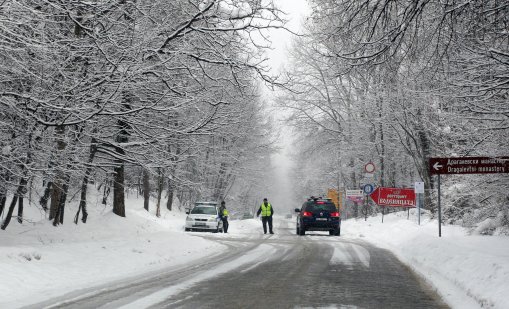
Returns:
<point x="313" y="206"/>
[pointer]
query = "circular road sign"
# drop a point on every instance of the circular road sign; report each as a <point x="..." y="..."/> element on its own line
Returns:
<point x="368" y="188"/>
<point x="369" y="168"/>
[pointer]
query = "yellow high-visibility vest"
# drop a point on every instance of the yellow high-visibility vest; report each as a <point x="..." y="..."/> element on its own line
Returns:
<point x="266" y="209"/>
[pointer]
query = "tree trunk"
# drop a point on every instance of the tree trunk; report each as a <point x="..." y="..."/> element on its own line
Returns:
<point x="219" y="186"/>
<point x="180" y="196"/>
<point x="425" y="152"/>
<point x="171" y="181"/>
<point x="9" y="212"/>
<point x="84" y="183"/>
<point x="353" y="179"/>
<point x="160" y="182"/>
<point x="47" y="190"/>
<point x="171" y="189"/>
<point x="119" y="177"/>
<point x="428" y="183"/>
<point x="57" y="186"/>
<point x="19" y="194"/>
<point x="106" y="192"/>
<point x="20" y="209"/>
<point x="45" y="197"/>
<point x="55" y="200"/>
<point x="140" y="190"/>
<point x="22" y="188"/>
<point x="122" y="136"/>
<point x="146" y="189"/>
<point x="3" y="199"/>
<point x="59" y="215"/>
<point x="3" y="192"/>
<point x="83" y="198"/>
<point x="118" y="187"/>
<point x="382" y="142"/>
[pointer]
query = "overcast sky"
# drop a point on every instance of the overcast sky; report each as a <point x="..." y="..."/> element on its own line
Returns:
<point x="281" y="39"/>
<point x="282" y="196"/>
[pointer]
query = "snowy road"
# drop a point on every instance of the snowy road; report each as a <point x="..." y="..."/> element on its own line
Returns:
<point x="271" y="271"/>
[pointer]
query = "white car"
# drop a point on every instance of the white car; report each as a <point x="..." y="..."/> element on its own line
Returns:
<point x="204" y="217"/>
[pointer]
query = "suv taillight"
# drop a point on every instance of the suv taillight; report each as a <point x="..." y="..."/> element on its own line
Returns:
<point x="307" y="214"/>
<point x="334" y="214"/>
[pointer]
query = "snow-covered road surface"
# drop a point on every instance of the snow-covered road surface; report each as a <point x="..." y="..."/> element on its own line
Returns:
<point x="270" y="271"/>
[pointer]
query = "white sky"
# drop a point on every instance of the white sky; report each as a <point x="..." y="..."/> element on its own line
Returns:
<point x="282" y="196"/>
<point x="296" y="10"/>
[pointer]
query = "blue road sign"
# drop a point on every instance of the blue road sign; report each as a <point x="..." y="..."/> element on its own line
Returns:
<point x="368" y="189"/>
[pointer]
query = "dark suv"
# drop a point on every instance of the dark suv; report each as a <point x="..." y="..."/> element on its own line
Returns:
<point x="318" y="215"/>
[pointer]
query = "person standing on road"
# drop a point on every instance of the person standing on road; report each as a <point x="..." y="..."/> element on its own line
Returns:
<point x="266" y="210"/>
<point x="223" y="214"/>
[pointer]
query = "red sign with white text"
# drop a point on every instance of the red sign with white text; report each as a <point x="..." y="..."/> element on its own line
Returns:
<point x="394" y="197"/>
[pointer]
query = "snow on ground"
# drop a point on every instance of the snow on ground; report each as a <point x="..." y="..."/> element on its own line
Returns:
<point x="468" y="271"/>
<point x="39" y="261"/>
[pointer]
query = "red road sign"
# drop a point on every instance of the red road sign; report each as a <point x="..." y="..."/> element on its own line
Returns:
<point x="394" y="197"/>
<point x="469" y="165"/>
<point x="369" y="168"/>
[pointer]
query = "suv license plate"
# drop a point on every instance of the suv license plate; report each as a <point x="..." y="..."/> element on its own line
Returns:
<point x="321" y="219"/>
<point x="199" y="224"/>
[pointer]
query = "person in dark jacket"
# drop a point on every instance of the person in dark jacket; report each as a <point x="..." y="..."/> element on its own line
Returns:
<point x="266" y="210"/>
<point x="223" y="214"/>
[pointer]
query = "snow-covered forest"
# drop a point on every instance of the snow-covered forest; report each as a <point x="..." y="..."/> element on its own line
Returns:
<point x="156" y="97"/>
<point x="164" y="99"/>
<point x="398" y="82"/>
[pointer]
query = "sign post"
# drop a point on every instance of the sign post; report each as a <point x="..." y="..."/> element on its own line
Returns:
<point x="368" y="188"/>
<point x="439" y="210"/>
<point x="465" y="165"/>
<point x="366" y="209"/>
<point x="419" y="190"/>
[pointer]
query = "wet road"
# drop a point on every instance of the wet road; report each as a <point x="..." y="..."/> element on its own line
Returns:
<point x="273" y="271"/>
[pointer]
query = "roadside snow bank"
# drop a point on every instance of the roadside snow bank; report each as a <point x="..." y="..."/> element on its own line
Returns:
<point x="39" y="261"/>
<point x="457" y="264"/>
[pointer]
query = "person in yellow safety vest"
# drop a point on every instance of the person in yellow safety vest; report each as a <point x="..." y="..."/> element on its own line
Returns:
<point x="266" y="210"/>
<point x="223" y="214"/>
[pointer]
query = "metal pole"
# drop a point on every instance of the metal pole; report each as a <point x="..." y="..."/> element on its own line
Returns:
<point x="366" y="208"/>
<point x="383" y="213"/>
<point x="419" y="208"/>
<point x="439" y="210"/>
<point x="408" y="213"/>
<point x="345" y="208"/>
